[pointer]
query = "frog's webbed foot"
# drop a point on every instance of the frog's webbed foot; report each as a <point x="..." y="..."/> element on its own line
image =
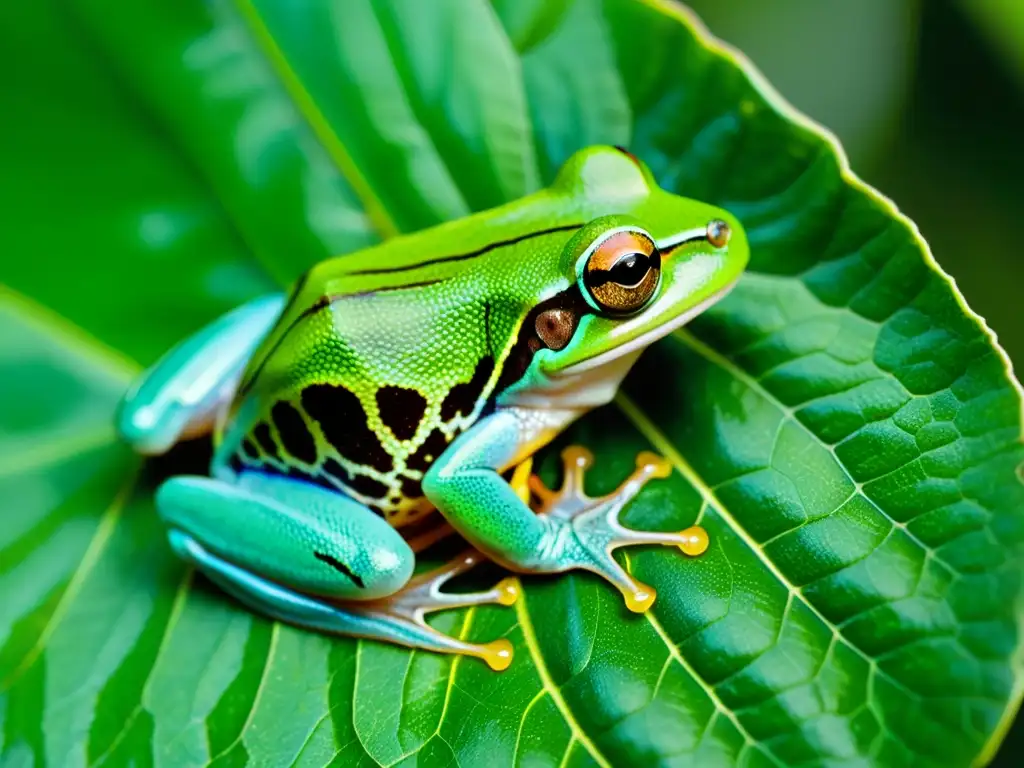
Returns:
<point x="422" y="595"/>
<point x="594" y="528"/>
<point x="398" y="618"/>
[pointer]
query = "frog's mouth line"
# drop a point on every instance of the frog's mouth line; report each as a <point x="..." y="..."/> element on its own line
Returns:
<point x="644" y="339"/>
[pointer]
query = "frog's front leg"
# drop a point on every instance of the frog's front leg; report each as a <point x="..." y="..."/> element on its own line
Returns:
<point x="178" y="397"/>
<point x="572" y="529"/>
<point x="313" y="557"/>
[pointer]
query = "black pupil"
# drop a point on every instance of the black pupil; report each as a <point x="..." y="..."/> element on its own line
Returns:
<point x="629" y="270"/>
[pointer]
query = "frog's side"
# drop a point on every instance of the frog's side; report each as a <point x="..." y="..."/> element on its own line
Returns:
<point x="405" y="377"/>
<point x="373" y="370"/>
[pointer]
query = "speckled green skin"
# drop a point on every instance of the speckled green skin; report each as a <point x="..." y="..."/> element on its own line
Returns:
<point x="405" y="378"/>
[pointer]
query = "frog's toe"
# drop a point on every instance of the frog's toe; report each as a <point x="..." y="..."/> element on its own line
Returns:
<point x="423" y="595"/>
<point x="423" y="592"/>
<point x="596" y="528"/>
<point x="397" y="619"/>
<point x="638" y="596"/>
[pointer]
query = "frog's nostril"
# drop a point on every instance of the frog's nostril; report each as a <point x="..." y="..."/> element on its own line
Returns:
<point x="718" y="233"/>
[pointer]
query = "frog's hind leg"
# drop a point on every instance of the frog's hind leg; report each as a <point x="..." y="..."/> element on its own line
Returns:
<point x="312" y="557"/>
<point x="408" y="607"/>
<point x="181" y="394"/>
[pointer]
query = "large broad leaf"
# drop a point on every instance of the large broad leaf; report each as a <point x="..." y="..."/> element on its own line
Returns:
<point x="843" y="425"/>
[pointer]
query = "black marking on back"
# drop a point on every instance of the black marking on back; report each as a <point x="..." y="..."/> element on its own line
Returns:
<point x="340" y="567"/>
<point x="343" y="420"/>
<point x="266" y="440"/>
<point x="462" y="398"/>
<point x="249" y="449"/>
<point x="528" y="343"/>
<point x="362" y="484"/>
<point x="401" y="409"/>
<point x="382" y="289"/>
<point x="367" y="486"/>
<point x="294" y="434"/>
<point x="428" y="452"/>
<point x="470" y="254"/>
<point x="325" y="301"/>
<point x="338" y="472"/>
<point x="411" y="488"/>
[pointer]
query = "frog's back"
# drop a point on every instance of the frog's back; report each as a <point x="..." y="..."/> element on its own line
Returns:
<point x="380" y="360"/>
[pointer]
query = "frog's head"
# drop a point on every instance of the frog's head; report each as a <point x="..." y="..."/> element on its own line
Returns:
<point x="645" y="263"/>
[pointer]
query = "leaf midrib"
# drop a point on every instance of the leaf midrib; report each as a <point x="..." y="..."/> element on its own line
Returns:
<point x="74" y="337"/>
<point x="51" y="453"/>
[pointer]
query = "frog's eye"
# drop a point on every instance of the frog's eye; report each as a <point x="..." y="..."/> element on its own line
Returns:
<point x="622" y="272"/>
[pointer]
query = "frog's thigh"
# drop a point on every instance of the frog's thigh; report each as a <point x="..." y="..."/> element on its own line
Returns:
<point x="266" y="528"/>
<point x="179" y="396"/>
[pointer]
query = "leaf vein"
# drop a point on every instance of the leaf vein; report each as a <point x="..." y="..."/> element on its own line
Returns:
<point x="101" y="537"/>
<point x="739" y="374"/>
<point x="306" y="106"/>
<point x="540" y="665"/>
<point x="649" y="430"/>
<point x="275" y="631"/>
<point x="720" y="706"/>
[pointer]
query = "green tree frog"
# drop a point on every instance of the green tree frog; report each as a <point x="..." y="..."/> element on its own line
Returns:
<point x="415" y="376"/>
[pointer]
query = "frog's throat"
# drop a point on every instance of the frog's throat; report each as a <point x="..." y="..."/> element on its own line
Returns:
<point x="579" y="392"/>
<point x="632" y="348"/>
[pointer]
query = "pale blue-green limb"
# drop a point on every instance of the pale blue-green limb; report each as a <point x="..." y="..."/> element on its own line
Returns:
<point x="179" y="396"/>
<point x="570" y="530"/>
<point x="315" y="558"/>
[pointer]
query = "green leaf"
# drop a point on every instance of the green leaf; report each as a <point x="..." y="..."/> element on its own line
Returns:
<point x="843" y="425"/>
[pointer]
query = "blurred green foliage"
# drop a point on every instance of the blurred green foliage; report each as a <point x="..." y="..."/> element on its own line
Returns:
<point x="932" y="114"/>
<point x="928" y="100"/>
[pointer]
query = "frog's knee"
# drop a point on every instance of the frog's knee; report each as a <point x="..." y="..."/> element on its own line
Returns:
<point x="386" y="570"/>
<point x="437" y="480"/>
<point x="179" y="397"/>
<point x="178" y="495"/>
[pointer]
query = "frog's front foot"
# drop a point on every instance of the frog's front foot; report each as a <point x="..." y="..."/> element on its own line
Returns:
<point x="587" y="530"/>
